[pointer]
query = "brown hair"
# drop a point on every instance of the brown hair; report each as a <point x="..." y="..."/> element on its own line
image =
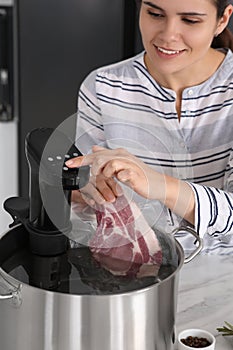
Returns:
<point x="224" y="39"/>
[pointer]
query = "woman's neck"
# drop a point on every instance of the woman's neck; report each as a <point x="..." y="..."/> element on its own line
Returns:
<point x="194" y="75"/>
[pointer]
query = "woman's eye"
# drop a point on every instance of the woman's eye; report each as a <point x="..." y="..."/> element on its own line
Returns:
<point x="190" y="21"/>
<point x="154" y="14"/>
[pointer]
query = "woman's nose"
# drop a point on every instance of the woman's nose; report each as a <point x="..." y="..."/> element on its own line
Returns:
<point x="170" y="31"/>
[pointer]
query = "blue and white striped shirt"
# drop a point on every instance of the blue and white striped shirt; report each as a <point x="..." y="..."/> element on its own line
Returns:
<point x="121" y="105"/>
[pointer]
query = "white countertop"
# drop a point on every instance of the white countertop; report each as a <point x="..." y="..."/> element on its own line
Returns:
<point x="205" y="297"/>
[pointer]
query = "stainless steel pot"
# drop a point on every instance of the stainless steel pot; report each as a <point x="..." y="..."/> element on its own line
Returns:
<point x="38" y="319"/>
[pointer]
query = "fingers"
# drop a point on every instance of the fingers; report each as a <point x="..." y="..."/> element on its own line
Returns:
<point x="108" y="188"/>
<point x="109" y="162"/>
<point x="114" y="166"/>
<point x="98" y="159"/>
<point x="125" y="175"/>
<point x="107" y="165"/>
<point x="77" y="197"/>
<point x="80" y="161"/>
<point x="87" y="159"/>
<point x="97" y="148"/>
<point x="115" y="187"/>
<point x="99" y="190"/>
<point x="91" y="195"/>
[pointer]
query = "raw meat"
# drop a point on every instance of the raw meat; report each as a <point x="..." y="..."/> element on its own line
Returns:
<point x="124" y="243"/>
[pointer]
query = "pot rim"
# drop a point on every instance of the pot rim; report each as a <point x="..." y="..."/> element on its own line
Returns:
<point x="19" y="285"/>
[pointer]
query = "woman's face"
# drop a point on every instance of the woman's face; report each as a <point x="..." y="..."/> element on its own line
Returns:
<point x="177" y="34"/>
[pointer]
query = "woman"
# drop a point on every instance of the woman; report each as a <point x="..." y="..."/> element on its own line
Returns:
<point x="165" y="119"/>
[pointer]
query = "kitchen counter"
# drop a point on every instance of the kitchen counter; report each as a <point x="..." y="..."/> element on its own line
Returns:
<point x="205" y="298"/>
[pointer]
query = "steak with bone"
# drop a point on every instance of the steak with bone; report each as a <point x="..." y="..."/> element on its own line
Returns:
<point x="124" y="243"/>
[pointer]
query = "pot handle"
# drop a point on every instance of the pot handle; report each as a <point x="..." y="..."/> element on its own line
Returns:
<point x="13" y="289"/>
<point x="198" y="239"/>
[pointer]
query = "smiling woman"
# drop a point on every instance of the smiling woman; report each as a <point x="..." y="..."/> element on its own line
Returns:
<point x="225" y="38"/>
<point x="177" y="37"/>
<point x="165" y="119"/>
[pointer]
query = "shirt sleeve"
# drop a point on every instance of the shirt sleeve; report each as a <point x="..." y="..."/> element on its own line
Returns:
<point x="214" y="207"/>
<point x="89" y="126"/>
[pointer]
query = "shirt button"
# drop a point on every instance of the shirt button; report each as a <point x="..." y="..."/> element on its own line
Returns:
<point x="182" y="144"/>
<point x="190" y="92"/>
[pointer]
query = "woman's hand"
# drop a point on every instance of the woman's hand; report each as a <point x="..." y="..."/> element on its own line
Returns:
<point x="130" y="170"/>
<point x="119" y="163"/>
<point x="98" y="190"/>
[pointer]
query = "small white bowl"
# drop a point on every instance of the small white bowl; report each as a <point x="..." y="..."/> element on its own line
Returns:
<point x="200" y="333"/>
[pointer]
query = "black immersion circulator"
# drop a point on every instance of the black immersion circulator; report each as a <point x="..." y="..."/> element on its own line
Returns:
<point x="51" y="183"/>
<point x="46" y="214"/>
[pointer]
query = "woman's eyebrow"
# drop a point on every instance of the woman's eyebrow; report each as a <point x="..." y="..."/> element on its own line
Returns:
<point x="148" y="3"/>
<point x="152" y="5"/>
<point x="191" y="14"/>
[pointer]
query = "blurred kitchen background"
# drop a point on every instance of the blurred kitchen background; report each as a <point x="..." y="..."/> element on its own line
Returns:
<point x="47" y="47"/>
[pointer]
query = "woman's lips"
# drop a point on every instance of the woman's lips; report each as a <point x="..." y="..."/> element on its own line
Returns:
<point x="168" y="52"/>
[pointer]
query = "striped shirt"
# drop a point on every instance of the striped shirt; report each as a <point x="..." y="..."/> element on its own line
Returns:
<point x="121" y="105"/>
